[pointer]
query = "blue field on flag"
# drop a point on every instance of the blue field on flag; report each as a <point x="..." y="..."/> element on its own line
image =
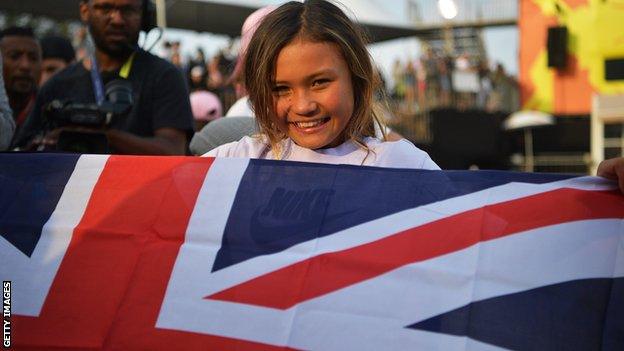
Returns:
<point x="31" y="186"/>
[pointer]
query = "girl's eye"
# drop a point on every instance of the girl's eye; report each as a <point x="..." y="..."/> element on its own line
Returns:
<point x="280" y="90"/>
<point x="320" y="82"/>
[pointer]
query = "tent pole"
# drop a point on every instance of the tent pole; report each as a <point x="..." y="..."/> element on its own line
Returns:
<point x="161" y="13"/>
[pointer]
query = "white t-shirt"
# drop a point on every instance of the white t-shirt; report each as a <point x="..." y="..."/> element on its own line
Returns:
<point x="241" y="108"/>
<point x="395" y="154"/>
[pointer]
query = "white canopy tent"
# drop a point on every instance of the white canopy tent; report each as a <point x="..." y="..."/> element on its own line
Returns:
<point x="222" y="17"/>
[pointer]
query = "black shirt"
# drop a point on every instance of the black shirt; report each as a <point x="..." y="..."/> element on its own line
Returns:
<point x="161" y="98"/>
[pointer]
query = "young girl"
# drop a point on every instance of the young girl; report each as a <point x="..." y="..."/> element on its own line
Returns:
<point x="311" y="82"/>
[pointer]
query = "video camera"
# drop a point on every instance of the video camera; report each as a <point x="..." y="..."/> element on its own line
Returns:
<point x="118" y="103"/>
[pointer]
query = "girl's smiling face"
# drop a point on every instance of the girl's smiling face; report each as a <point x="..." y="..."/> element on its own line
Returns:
<point x="313" y="94"/>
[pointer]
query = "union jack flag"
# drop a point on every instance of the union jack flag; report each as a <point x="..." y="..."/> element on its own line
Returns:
<point x="161" y="253"/>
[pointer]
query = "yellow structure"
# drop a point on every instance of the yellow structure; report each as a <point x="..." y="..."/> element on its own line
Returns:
<point x="595" y="34"/>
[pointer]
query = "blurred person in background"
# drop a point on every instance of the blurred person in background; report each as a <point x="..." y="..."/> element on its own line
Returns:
<point x="79" y="42"/>
<point x="421" y="83"/>
<point x="206" y="108"/>
<point x="176" y="60"/>
<point x="431" y="67"/>
<point x="215" y="77"/>
<point x="242" y="107"/>
<point x="199" y="59"/>
<point x="485" y="84"/>
<point x="56" y="53"/>
<point x="7" y="124"/>
<point x="21" y="55"/>
<point x="410" y="86"/>
<point x="445" y="75"/>
<point x="219" y="68"/>
<point x="398" y="90"/>
<point x="175" y="48"/>
<point x="159" y="121"/>
<point x="505" y="96"/>
<point x="196" y="72"/>
<point x="197" y="78"/>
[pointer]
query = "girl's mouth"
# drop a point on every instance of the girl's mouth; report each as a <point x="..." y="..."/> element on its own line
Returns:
<point x="311" y="124"/>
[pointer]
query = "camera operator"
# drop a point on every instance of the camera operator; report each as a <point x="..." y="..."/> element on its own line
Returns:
<point x="159" y="118"/>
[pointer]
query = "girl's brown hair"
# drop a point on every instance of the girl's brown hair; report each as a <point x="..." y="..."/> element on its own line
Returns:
<point x="316" y="21"/>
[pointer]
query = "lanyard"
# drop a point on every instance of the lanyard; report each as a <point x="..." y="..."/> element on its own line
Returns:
<point x="98" y="87"/>
<point x="124" y="72"/>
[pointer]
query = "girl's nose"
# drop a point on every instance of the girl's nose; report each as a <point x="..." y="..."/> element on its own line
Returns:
<point x="304" y="104"/>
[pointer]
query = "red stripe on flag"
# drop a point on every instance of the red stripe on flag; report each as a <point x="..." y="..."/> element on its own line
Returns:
<point x="329" y="272"/>
<point x="112" y="281"/>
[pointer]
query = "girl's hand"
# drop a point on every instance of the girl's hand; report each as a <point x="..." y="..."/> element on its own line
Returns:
<point x="613" y="169"/>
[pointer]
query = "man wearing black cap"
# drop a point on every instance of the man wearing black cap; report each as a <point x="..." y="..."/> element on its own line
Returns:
<point x="56" y="54"/>
<point x="160" y="118"/>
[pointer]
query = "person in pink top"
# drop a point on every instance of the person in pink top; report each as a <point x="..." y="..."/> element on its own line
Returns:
<point x="206" y="107"/>
<point x="241" y="107"/>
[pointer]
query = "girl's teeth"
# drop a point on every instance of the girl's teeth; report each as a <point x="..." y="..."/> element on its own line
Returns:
<point x="308" y="124"/>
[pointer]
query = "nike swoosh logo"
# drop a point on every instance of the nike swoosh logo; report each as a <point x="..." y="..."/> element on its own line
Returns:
<point x="269" y="234"/>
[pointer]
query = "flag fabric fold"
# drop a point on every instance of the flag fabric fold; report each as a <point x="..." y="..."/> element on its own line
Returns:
<point x="128" y="252"/>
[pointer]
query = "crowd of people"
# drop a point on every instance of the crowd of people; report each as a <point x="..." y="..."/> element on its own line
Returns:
<point x="439" y="80"/>
<point x="209" y="78"/>
<point x="303" y="75"/>
<point x="117" y="99"/>
<point x="215" y="84"/>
